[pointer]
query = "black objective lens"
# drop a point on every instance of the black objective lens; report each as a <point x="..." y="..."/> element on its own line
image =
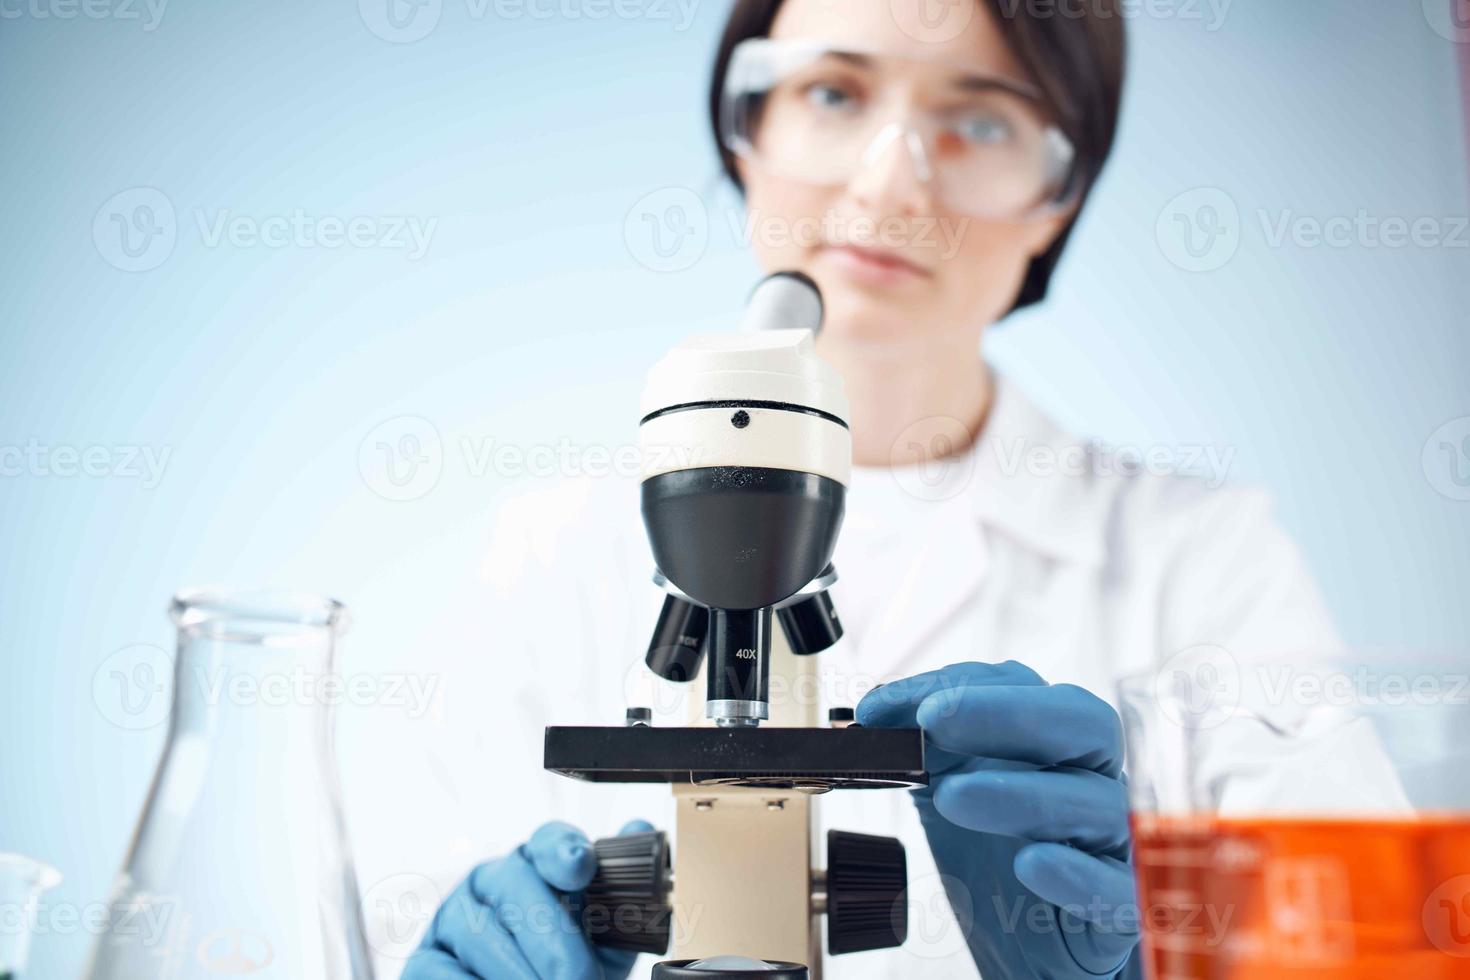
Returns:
<point x="678" y="640"/>
<point x="739" y="649"/>
<point x="811" y="625"/>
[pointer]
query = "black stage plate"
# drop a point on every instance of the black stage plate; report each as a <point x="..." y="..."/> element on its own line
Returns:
<point x="815" y="759"/>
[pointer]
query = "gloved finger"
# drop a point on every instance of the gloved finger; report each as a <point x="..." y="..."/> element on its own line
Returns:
<point x="1065" y="806"/>
<point x="1056" y="725"/>
<point x="466" y="928"/>
<point x="1097" y="890"/>
<point x="635" y="827"/>
<point x="893" y="705"/>
<point x="1095" y="894"/>
<point x="436" y="964"/>
<point x="528" y="910"/>
<point x="562" y="855"/>
<point x="1102" y="954"/>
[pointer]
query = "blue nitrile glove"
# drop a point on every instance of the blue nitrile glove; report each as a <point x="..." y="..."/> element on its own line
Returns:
<point x="506" y="921"/>
<point x="1027" y="817"/>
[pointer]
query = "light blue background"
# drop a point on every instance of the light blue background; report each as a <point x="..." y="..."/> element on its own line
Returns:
<point x="533" y="143"/>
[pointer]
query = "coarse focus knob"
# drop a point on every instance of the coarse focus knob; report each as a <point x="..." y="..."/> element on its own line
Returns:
<point x="866" y="880"/>
<point x="627" y="903"/>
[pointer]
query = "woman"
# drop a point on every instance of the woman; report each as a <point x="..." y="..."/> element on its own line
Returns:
<point x="945" y="161"/>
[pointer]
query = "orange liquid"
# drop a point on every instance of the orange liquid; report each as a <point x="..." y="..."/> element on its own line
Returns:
<point x="1304" y="899"/>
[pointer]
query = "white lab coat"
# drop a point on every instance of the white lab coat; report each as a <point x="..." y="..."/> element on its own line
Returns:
<point x="1083" y="577"/>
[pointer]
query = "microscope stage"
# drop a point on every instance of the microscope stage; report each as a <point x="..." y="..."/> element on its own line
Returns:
<point x="811" y="759"/>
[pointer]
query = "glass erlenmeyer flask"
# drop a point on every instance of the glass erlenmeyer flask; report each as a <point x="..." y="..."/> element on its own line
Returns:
<point x="240" y="863"/>
<point x="22" y="881"/>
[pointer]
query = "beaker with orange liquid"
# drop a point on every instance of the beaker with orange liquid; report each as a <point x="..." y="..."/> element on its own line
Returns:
<point x="1301" y="822"/>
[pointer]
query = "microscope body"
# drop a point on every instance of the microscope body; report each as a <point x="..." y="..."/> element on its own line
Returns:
<point x="744" y="855"/>
<point x="747" y="458"/>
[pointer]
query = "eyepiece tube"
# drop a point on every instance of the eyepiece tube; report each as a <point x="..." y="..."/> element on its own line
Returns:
<point x="784" y="301"/>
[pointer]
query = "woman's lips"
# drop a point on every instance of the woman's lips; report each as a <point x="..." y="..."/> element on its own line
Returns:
<point x="875" y="267"/>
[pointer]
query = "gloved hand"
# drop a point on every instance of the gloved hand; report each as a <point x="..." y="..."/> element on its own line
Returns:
<point x="1027" y="816"/>
<point x="506" y="920"/>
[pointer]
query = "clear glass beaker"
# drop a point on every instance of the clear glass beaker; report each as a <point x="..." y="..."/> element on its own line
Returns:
<point x="240" y="863"/>
<point x="1305" y="819"/>
<point x="22" y="882"/>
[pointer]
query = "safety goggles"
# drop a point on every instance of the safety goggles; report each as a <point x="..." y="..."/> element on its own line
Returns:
<point x="820" y="114"/>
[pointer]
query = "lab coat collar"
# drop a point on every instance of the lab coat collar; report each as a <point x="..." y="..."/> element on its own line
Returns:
<point x="1036" y="483"/>
<point x="1001" y="487"/>
<point x="931" y="566"/>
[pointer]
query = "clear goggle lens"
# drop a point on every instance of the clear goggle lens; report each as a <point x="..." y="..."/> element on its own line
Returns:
<point x="820" y="114"/>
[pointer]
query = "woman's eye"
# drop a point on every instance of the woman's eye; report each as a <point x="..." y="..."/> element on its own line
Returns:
<point x="826" y="96"/>
<point x="984" y="130"/>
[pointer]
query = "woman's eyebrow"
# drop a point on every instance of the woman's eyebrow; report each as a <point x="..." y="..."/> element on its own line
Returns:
<point x="960" y="81"/>
<point x="856" y="59"/>
<point x="986" y="83"/>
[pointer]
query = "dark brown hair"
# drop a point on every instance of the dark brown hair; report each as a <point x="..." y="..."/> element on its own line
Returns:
<point x="1075" y="56"/>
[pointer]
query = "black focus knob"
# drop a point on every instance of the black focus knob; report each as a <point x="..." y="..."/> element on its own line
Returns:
<point x="866" y="880"/>
<point x="627" y="904"/>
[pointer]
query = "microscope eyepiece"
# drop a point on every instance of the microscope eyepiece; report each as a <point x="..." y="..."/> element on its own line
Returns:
<point x="784" y="300"/>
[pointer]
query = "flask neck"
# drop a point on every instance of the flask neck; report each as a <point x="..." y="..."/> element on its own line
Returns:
<point x="260" y="673"/>
<point x="219" y="682"/>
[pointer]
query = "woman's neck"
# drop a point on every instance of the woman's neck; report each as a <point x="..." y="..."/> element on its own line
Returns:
<point x="911" y="401"/>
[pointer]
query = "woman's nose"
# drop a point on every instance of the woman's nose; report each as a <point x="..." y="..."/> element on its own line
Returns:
<point x="894" y="175"/>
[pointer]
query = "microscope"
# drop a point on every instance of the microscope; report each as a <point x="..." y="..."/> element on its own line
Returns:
<point x="747" y="458"/>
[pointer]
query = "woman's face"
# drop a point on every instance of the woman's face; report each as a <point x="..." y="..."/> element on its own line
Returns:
<point x="894" y="262"/>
